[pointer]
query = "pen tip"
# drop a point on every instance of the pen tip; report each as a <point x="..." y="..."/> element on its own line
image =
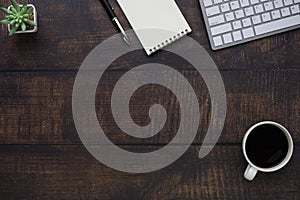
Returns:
<point x="126" y="40"/>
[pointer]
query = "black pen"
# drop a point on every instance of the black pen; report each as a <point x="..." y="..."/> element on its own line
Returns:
<point x="109" y="9"/>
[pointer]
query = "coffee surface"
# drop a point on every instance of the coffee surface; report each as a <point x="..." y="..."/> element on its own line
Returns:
<point x="266" y="146"/>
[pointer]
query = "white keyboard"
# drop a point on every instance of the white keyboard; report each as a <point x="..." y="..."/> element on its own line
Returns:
<point x="231" y="22"/>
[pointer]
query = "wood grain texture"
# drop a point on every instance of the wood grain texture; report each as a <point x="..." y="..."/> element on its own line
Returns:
<point x="69" y="172"/>
<point x="36" y="107"/>
<point x="42" y="157"/>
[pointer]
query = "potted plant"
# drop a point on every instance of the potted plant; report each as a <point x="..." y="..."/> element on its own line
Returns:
<point x="20" y="18"/>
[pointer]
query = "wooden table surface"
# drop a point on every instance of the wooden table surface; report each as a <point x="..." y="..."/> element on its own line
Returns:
<point x="42" y="157"/>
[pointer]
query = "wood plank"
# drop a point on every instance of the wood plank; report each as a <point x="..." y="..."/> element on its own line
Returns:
<point x="69" y="30"/>
<point x="35" y="108"/>
<point x="69" y="172"/>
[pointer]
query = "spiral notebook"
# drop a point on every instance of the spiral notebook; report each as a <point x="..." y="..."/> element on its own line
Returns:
<point x="156" y="23"/>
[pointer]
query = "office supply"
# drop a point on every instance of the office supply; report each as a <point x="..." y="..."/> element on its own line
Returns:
<point x="156" y="23"/>
<point x="110" y="11"/>
<point x="234" y="22"/>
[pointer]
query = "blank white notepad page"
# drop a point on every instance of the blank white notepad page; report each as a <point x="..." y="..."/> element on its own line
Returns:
<point x="156" y="22"/>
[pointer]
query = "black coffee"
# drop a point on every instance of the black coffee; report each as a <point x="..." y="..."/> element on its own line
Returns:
<point x="266" y="146"/>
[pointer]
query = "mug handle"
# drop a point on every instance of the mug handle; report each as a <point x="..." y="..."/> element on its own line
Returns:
<point x="250" y="173"/>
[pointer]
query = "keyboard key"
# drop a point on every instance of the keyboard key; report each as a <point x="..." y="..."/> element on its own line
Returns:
<point x="285" y="12"/>
<point x="234" y="5"/>
<point x="212" y="11"/>
<point x="244" y="3"/>
<point x="221" y="29"/>
<point x="266" y="17"/>
<point x="275" y="14"/>
<point x="295" y="9"/>
<point x="225" y="7"/>
<point x="227" y="38"/>
<point x="258" y="8"/>
<point x="237" y="35"/>
<point x="239" y="14"/>
<point x="278" y="3"/>
<point x="277" y="24"/>
<point x="217" y="41"/>
<point x="254" y="2"/>
<point x="216" y="20"/>
<point x="207" y="3"/>
<point x="296" y="1"/>
<point x="248" y="32"/>
<point x="246" y="22"/>
<point x="288" y="2"/>
<point x="237" y="24"/>
<point x="229" y="16"/>
<point x="268" y="6"/>
<point x="256" y="19"/>
<point x="249" y="11"/>
<point x="217" y="1"/>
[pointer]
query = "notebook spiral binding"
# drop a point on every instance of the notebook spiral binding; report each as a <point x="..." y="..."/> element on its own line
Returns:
<point x="169" y="41"/>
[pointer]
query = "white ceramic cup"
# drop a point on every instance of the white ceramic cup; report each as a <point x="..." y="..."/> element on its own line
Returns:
<point x="252" y="169"/>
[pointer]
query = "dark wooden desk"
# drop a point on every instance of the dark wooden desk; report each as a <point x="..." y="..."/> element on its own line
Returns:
<point x="42" y="157"/>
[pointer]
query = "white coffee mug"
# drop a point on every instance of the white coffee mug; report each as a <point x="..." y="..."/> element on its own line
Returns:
<point x="252" y="169"/>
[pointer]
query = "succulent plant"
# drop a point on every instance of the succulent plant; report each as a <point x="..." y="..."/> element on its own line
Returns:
<point x="18" y="16"/>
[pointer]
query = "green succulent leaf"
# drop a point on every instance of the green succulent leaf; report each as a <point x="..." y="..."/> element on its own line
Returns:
<point x="10" y="17"/>
<point x="31" y="23"/>
<point x="12" y="21"/>
<point x="23" y="10"/>
<point x="14" y="10"/>
<point x="7" y="11"/>
<point x="30" y="10"/>
<point x="15" y="5"/>
<point x="13" y="30"/>
<point x="25" y="2"/>
<point x="5" y="21"/>
<point x="23" y="26"/>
